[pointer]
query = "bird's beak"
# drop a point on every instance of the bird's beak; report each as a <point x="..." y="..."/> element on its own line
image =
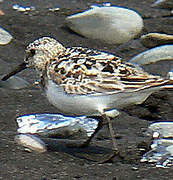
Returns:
<point x="18" y="69"/>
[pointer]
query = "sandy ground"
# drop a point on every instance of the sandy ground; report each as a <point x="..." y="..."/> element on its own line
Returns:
<point x="65" y="163"/>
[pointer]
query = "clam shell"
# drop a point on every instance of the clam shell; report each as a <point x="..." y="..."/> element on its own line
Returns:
<point x="156" y="39"/>
<point x="112" y="25"/>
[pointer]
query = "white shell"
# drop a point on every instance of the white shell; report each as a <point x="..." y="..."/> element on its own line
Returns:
<point x="32" y="142"/>
<point x="5" y="37"/>
<point x="114" y="25"/>
<point x="154" y="55"/>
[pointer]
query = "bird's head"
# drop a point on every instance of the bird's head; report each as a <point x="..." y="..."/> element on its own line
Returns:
<point x="38" y="54"/>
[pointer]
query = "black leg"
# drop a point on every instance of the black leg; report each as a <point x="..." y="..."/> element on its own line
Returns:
<point x="87" y="142"/>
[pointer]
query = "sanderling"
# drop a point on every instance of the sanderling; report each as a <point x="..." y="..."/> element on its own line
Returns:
<point x="83" y="81"/>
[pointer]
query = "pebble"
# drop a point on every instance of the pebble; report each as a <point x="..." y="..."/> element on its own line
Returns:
<point x="5" y="37"/>
<point x="32" y="142"/>
<point x="166" y="4"/>
<point x="112" y="24"/>
<point x="20" y="8"/>
<point x="54" y="9"/>
<point x="14" y="82"/>
<point x="161" y="129"/>
<point x="164" y="52"/>
<point x="156" y="39"/>
<point x="2" y="13"/>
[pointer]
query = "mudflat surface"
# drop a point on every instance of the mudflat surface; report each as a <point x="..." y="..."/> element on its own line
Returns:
<point x="63" y="163"/>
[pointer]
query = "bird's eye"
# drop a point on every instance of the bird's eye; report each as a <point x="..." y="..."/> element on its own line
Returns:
<point x="32" y="52"/>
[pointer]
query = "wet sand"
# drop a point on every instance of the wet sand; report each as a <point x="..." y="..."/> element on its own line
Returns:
<point x="64" y="163"/>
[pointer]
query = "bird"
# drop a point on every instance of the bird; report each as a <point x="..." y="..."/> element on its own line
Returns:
<point x="83" y="81"/>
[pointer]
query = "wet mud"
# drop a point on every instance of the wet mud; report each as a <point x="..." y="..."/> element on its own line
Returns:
<point x="60" y="162"/>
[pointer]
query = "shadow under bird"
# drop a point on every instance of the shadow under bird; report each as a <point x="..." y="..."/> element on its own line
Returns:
<point x="82" y="81"/>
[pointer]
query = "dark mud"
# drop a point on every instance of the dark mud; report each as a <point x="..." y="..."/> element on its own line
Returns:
<point x="62" y="163"/>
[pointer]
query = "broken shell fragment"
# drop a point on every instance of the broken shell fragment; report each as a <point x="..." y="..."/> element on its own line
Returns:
<point x="160" y="53"/>
<point x="32" y="142"/>
<point x="156" y="39"/>
<point x="112" y="25"/>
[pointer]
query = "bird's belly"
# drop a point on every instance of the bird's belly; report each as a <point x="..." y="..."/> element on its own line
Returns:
<point x="70" y="104"/>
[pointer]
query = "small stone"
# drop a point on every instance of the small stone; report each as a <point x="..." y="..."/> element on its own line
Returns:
<point x="112" y="25"/>
<point x="54" y="9"/>
<point x="5" y="37"/>
<point x="161" y="129"/>
<point x="160" y="53"/>
<point x="156" y="39"/>
<point x="166" y="4"/>
<point x="31" y="142"/>
<point x="156" y="135"/>
<point x="14" y="82"/>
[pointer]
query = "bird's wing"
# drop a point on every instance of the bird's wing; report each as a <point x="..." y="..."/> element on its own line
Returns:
<point x="85" y="71"/>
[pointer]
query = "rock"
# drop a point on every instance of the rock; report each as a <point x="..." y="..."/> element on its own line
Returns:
<point x="156" y="39"/>
<point x="5" y="37"/>
<point x="14" y="82"/>
<point x="166" y="4"/>
<point x="32" y="142"/>
<point x="112" y="25"/>
<point x="164" y="129"/>
<point x="154" y="55"/>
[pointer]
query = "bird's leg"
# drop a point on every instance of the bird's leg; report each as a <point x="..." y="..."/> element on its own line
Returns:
<point x="87" y="142"/>
<point x="115" y="145"/>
